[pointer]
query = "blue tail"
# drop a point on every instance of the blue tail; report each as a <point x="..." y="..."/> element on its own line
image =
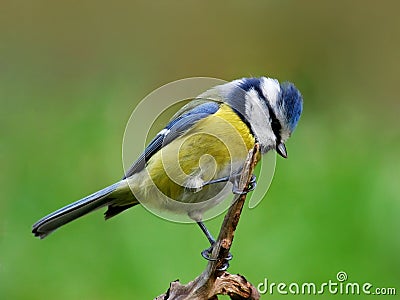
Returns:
<point x="51" y="222"/>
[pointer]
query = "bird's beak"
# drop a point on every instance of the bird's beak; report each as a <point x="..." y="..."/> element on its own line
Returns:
<point x="281" y="149"/>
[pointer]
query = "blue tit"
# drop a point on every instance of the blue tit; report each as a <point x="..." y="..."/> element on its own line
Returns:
<point x="185" y="167"/>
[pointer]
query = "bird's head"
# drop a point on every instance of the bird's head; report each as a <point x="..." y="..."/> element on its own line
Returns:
<point x="271" y="109"/>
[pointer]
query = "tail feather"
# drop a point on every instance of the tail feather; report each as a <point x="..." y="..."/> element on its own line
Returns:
<point x="51" y="222"/>
<point x="114" y="210"/>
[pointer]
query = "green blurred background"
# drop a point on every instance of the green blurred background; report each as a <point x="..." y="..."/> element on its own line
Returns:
<point x="71" y="72"/>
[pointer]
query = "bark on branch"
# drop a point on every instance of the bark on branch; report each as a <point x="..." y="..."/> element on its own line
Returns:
<point x="213" y="282"/>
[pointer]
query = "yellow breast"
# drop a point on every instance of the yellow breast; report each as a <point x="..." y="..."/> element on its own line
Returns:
<point x="213" y="148"/>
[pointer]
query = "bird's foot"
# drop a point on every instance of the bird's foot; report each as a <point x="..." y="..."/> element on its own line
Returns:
<point x="252" y="185"/>
<point x="206" y="253"/>
<point x="235" y="182"/>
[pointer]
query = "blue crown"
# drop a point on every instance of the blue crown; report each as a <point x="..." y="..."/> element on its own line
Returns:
<point x="291" y="100"/>
<point x="292" y="103"/>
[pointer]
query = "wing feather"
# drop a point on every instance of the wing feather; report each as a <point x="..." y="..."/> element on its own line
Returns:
<point x="180" y="123"/>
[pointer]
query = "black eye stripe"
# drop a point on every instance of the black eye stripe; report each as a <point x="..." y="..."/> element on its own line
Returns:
<point x="275" y="124"/>
<point x="254" y="83"/>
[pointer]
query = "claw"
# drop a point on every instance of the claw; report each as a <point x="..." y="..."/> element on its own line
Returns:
<point x="229" y="257"/>
<point x="252" y="185"/>
<point x="206" y="253"/>
<point x="224" y="267"/>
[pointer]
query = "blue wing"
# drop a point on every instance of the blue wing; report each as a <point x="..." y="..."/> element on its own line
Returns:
<point x="174" y="129"/>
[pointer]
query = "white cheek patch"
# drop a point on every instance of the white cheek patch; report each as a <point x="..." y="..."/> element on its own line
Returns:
<point x="271" y="89"/>
<point x="258" y="116"/>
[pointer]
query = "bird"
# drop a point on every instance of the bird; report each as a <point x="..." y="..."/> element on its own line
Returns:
<point x="188" y="165"/>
